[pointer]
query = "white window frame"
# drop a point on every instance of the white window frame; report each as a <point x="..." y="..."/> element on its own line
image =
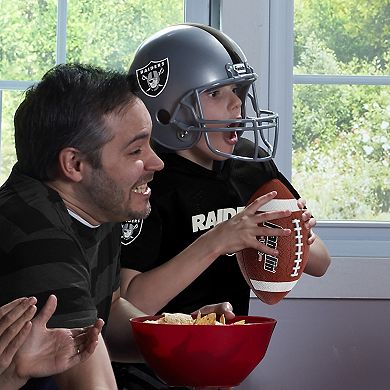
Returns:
<point x="344" y="238"/>
<point x="18" y="85"/>
<point x="270" y="23"/>
<point x="200" y="11"/>
<point x="203" y="11"/>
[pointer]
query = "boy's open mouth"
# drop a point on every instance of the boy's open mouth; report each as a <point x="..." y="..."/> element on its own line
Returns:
<point x="231" y="137"/>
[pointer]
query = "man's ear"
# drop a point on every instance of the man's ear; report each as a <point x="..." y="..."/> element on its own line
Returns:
<point x="70" y="164"/>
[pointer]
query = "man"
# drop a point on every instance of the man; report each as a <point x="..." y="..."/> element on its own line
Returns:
<point x="83" y="163"/>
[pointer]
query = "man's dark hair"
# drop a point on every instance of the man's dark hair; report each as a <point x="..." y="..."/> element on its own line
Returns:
<point x="66" y="109"/>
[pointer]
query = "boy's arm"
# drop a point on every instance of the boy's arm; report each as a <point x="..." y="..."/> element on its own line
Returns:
<point x="319" y="259"/>
<point x="119" y="335"/>
<point x="152" y="290"/>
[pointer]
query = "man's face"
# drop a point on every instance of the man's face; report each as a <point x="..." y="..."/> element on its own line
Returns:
<point x="119" y="189"/>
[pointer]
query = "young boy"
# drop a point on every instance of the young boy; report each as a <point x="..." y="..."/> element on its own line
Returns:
<point x="196" y="83"/>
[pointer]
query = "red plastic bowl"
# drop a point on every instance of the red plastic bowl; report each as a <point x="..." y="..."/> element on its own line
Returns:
<point x="203" y="355"/>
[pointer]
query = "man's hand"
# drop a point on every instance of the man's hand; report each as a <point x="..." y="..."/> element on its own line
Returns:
<point x="15" y="325"/>
<point x="51" y="351"/>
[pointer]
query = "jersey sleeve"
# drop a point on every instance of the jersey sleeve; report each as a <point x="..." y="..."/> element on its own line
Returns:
<point x="54" y="264"/>
<point x="141" y="251"/>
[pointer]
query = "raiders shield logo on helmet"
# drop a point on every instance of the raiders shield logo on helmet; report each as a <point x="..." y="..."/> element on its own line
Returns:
<point x="153" y="77"/>
<point x="131" y="230"/>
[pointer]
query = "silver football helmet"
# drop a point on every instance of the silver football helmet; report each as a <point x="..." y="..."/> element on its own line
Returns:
<point x="176" y="65"/>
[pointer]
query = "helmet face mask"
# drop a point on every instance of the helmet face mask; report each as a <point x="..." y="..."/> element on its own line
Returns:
<point x="198" y="59"/>
<point x="261" y="128"/>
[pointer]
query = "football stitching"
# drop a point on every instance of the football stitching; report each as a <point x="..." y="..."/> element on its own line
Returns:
<point x="298" y="245"/>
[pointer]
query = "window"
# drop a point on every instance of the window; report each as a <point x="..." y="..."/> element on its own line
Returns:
<point x="275" y="45"/>
<point x="340" y="122"/>
<point x="36" y="35"/>
<point x="341" y="107"/>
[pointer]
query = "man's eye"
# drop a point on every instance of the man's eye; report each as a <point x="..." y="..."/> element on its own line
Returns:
<point x="135" y="152"/>
<point x="213" y="93"/>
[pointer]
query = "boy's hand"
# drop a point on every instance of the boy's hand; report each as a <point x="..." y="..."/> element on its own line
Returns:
<point x="308" y="219"/>
<point x="219" y="308"/>
<point x="242" y="230"/>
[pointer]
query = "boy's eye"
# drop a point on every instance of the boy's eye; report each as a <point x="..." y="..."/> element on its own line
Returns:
<point x="213" y="93"/>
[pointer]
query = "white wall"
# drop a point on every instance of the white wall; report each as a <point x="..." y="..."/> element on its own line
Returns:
<point x="328" y="344"/>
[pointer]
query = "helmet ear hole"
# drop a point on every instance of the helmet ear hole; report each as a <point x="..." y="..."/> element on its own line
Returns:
<point x="163" y="116"/>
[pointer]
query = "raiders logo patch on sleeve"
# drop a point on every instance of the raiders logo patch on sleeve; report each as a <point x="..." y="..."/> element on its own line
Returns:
<point x="130" y="230"/>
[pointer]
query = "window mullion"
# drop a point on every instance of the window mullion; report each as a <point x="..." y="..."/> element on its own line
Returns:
<point x="62" y="9"/>
<point x="341" y="79"/>
<point x="197" y="11"/>
<point x="1" y="121"/>
<point x="281" y="48"/>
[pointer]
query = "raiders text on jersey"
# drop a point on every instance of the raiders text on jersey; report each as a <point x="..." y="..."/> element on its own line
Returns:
<point x="212" y="218"/>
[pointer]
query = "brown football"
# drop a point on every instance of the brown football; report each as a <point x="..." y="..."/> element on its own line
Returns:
<point x="272" y="278"/>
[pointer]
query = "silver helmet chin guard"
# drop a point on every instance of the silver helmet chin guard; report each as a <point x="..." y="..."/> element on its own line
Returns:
<point x="176" y="65"/>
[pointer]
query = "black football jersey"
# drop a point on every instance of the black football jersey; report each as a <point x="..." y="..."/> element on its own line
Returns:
<point x="187" y="200"/>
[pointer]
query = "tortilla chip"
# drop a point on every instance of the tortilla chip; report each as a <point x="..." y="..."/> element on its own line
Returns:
<point x="208" y="319"/>
<point x="242" y="322"/>
<point x="186" y="319"/>
<point x="178" y="318"/>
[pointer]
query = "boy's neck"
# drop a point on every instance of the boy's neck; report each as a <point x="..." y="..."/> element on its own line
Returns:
<point x="196" y="158"/>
